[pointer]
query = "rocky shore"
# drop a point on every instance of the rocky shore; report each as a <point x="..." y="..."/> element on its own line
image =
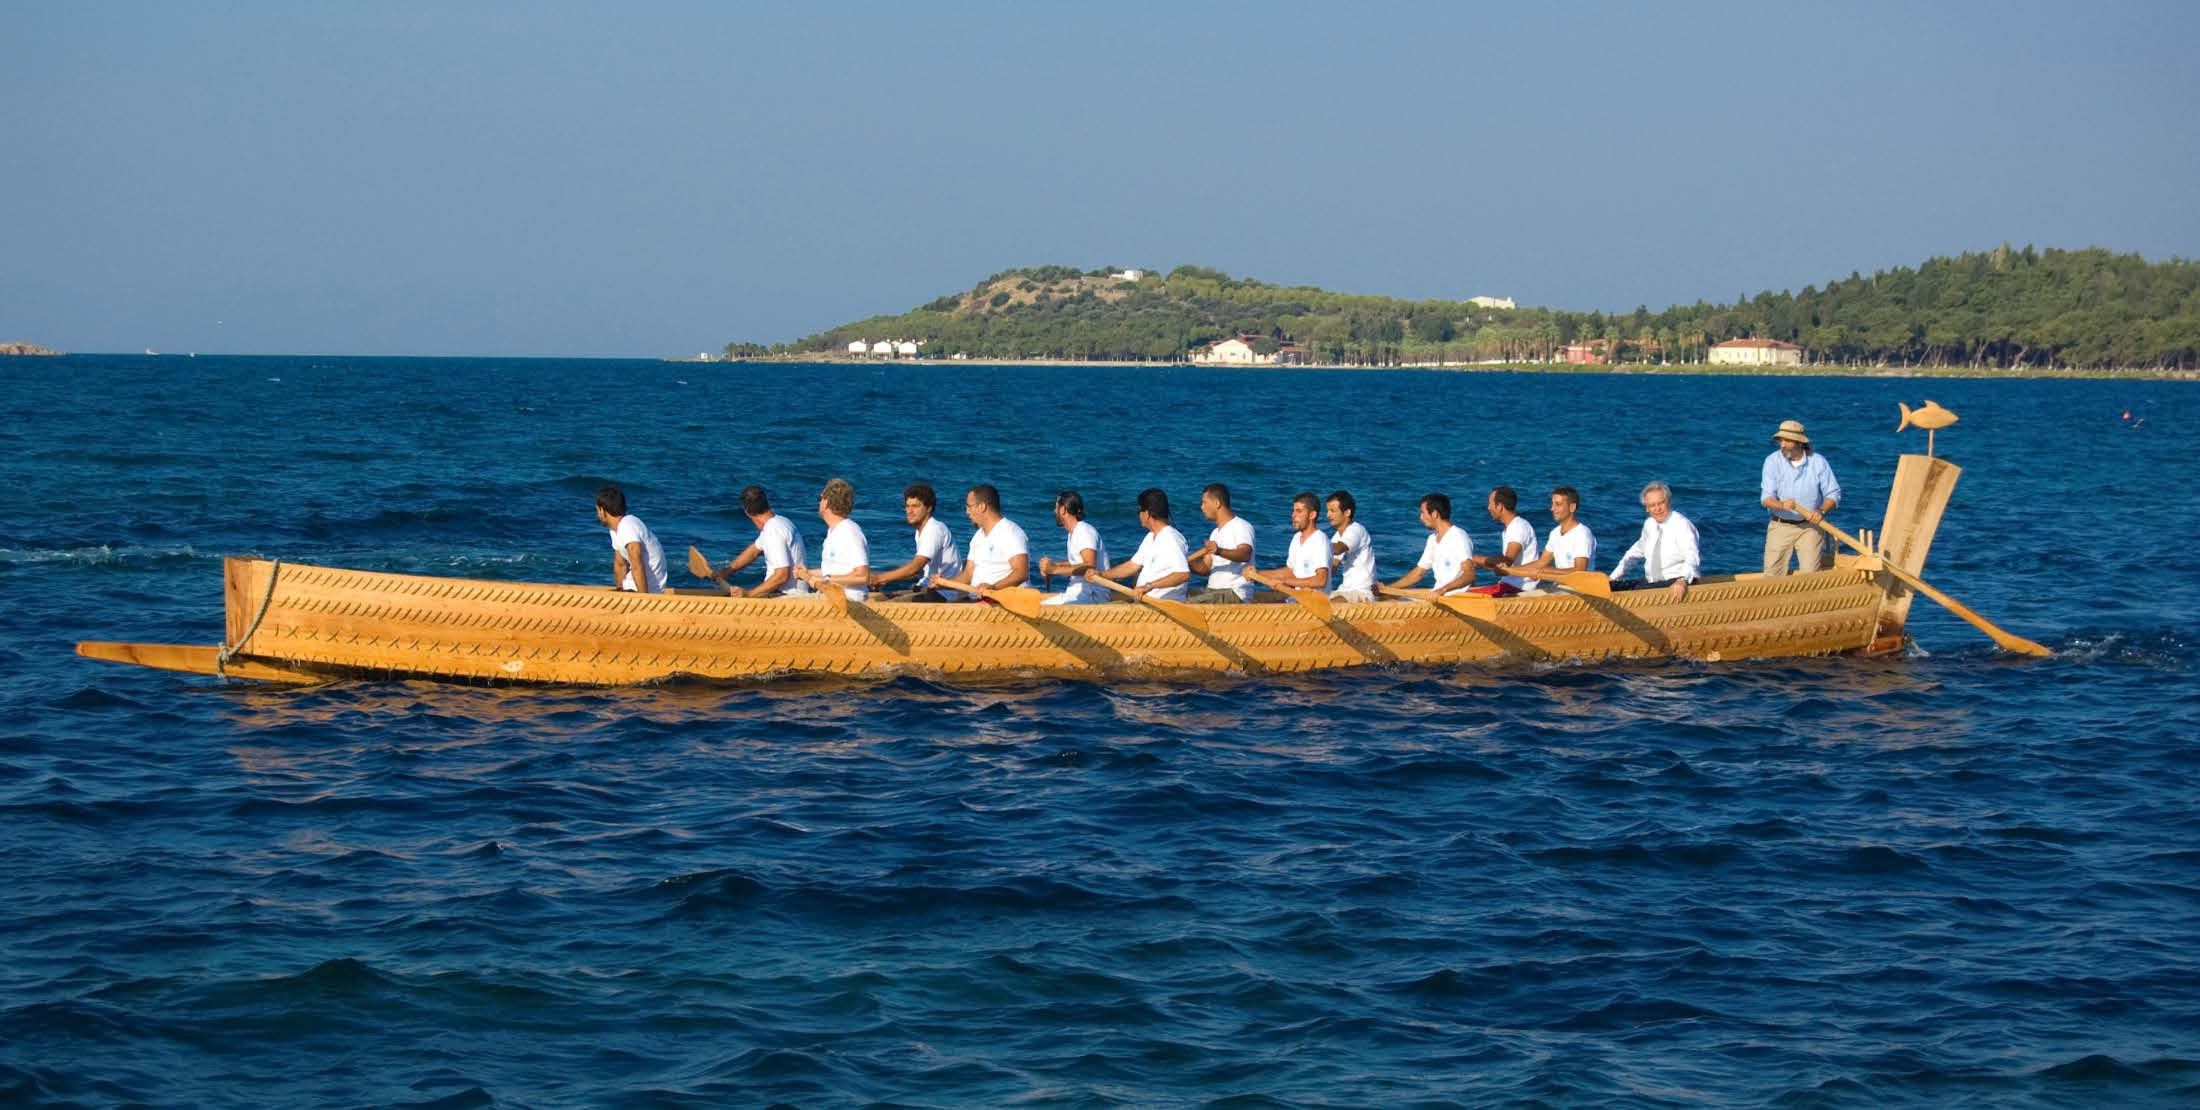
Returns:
<point x="25" y="349"/>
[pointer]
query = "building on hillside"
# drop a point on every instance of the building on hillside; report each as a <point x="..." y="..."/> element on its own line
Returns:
<point x="1129" y="275"/>
<point x="1587" y="352"/>
<point x="859" y="347"/>
<point x="1492" y="302"/>
<point x="1756" y="352"/>
<point x="1229" y="352"/>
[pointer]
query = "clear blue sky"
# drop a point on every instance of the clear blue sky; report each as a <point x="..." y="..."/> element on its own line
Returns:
<point x="661" y="178"/>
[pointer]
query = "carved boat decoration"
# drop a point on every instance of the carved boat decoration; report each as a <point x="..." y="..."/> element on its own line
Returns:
<point x="289" y="622"/>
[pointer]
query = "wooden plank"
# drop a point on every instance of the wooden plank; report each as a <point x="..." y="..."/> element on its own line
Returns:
<point x="191" y="659"/>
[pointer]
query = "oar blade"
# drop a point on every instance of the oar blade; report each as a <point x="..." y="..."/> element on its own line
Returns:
<point x="1477" y="606"/>
<point x="1313" y="601"/>
<point x="1023" y="601"/>
<point x="697" y="565"/>
<point x="835" y="596"/>
<point x="1181" y="612"/>
<point x="1587" y="582"/>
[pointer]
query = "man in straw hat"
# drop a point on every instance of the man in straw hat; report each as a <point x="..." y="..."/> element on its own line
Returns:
<point x="1798" y="488"/>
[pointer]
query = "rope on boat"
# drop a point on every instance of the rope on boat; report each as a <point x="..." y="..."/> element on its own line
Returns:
<point x="222" y="657"/>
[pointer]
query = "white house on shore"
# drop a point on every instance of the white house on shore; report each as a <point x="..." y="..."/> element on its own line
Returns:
<point x="859" y="347"/>
<point x="1229" y="352"/>
<point x="1756" y="352"/>
<point x="906" y="349"/>
<point x="883" y="347"/>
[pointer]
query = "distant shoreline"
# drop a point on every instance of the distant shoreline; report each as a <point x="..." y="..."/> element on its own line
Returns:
<point x="1694" y="369"/>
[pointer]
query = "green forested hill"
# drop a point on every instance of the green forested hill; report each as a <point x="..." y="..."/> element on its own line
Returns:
<point x="2001" y="308"/>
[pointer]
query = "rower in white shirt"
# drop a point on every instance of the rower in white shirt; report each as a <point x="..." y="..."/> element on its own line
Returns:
<point x="1516" y="545"/>
<point x="637" y="559"/>
<point x="1085" y="550"/>
<point x="1227" y="552"/>
<point x="999" y="556"/>
<point x="845" y="559"/>
<point x="1667" y="547"/>
<point x="1161" y="568"/>
<point x="1448" y="555"/>
<point x="1307" y="565"/>
<point x="936" y="557"/>
<point x="1354" y="550"/>
<point x="1571" y="547"/>
<point x="777" y="543"/>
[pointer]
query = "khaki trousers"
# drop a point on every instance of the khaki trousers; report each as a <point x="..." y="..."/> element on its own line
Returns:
<point x="1784" y="536"/>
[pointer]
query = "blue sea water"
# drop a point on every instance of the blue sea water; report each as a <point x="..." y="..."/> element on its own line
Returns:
<point x="1949" y="878"/>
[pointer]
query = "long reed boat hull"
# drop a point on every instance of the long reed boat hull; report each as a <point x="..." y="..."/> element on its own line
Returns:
<point x="292" y="622"/>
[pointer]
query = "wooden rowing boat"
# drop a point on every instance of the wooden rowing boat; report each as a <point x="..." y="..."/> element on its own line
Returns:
<point x="289" y="622"/>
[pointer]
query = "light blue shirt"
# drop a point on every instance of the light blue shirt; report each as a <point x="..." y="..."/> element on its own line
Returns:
<point x="1809" y="484"/>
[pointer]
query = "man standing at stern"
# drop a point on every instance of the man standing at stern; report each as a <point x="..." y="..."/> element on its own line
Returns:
<point x="1798" y="489"/>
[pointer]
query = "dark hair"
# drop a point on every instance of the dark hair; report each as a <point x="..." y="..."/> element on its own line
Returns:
<point x="922" y="494"/>
<point x="1218" y="491"/>
<point x="611" y="500"/>
<point x="987" y="496"/>
<point x="1505" y="496"/>
<point x="1344" y="501"/>
<point x="1572" y="495"/>
<point x="839" y="496"/>
<point x="1070" y="502"/>
<point x="1437" y="503"/>
<point x="1307" y="499"/>
<point x="754" y="501"/>
<point x="1154" y="503"/>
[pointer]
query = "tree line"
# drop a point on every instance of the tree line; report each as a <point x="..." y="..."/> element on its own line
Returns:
<point x="2003" y="308"/>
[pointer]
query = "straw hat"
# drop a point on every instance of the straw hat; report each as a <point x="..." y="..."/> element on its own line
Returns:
<point x="1792" y="429"/>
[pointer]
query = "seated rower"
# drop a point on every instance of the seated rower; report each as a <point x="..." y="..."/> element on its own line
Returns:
<point x="634" y="548"/>
<point x="1307" y="564"/>
<point x="999" y="555"/>
<point x="1227" y="552"/>
<point x="1353" y="549"/>
<point x="1571" y="547"/>
<point x="1517" y="544"/>
<point x="1086" y="552"/>
<point x="1667" y="547"/>
<point x="777" y="542"/>
<point x="845" y="559"/>
<point x="1448" y="555"/>
<point x="1161" y="567"/>
<point x="937" y="556"/>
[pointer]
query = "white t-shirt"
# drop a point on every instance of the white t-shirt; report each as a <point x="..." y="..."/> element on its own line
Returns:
<point x="845" y="549"/>
<point x="1522" y="533"/>
<point x="1223" y="574"/>
<point x="1565" y="547"/>
<point x="1309" y="553"/>
<point x="1445" y="555"/>
<point x="1082" y="538"/>
<point x="782" y="547"/>
<point x="1160" y="555"/>
<point x="1356" y="567"/>
<point x="941" y="559"/>
<point x="991" y="551"/>
<point x="630" y="529"/>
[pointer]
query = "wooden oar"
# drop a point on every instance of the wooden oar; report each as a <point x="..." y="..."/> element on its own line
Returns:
<point x="833" y="592"/>
<point x="1579" y="581"/>
<point x="701" y="568"/>
<point x="2008" y="641"/>
<point x="1188" y="615"/>
<point x="1481" y="607"/>
<point x="1023" y="601"/>
<point x="1315" y="601"/>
